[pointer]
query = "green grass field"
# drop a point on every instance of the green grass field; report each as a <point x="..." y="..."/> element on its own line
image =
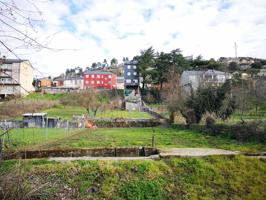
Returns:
<point x="67" y="112"/>
<point x="164" y="138"/>
<point x="212" y="177"/>
<point x="27" y="137"/>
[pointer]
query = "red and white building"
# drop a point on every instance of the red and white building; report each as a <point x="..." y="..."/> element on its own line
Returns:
<point x="100" y="80"/>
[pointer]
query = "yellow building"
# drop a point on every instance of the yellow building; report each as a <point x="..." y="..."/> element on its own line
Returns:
<point x="46" y="82"/>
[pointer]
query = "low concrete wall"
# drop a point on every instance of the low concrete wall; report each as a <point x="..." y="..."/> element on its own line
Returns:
<point x="98" y="152"/>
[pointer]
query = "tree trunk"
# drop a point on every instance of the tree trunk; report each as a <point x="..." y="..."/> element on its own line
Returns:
<point x="143" y="85"/>
<point x="161" y="85"/>
<point x="95" y="112"/>
<point x="172" y="117"/>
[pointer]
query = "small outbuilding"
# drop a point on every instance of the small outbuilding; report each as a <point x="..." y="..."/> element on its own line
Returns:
<point x="34" y="120"/>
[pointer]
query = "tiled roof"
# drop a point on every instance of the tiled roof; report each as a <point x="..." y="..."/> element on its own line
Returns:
<point x="97" y="72"/>
<point x="10" y="61"/>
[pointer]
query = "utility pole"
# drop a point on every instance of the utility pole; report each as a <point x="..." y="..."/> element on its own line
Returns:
<point x="235" y="50"/>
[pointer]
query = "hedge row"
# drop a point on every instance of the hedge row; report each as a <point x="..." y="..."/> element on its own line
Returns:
<point x="126" y="123"/>
<point x="251" y="131"/>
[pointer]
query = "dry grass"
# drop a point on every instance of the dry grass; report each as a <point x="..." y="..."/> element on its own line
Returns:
<point x="15" y="108"/>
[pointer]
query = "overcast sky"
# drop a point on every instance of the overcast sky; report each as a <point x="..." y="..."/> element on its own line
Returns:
<point x="91" y="30"/>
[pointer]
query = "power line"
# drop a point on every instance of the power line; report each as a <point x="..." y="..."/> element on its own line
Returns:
<point x="20" y="58"/>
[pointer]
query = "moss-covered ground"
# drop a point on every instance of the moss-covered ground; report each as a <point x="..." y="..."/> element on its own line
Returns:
<point x="213" y="177"/>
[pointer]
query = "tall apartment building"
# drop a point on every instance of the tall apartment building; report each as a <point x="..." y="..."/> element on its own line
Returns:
<point x="16" y="77"/>
<point x="132" y="92"/>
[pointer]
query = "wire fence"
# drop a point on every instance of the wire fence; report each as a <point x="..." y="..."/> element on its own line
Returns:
<point x="26" y="138"/>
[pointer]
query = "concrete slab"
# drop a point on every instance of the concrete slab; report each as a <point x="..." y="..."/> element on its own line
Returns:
<point x="182" y="152"/>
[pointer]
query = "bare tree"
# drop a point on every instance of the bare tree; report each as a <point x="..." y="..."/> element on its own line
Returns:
<point x="20" y="21"/>
<point x="18" y="24"/>
<point x="173" y="94"/>
<point x="92" y="100"/>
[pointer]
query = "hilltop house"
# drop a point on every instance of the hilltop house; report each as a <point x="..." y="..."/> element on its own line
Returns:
<point x="196" y="79"/>
<point x="100" y="80"/>
<point x="16" y="77"/>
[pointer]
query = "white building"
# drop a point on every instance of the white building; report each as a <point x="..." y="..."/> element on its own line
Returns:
<point x="74" y="82"/>
<point x="16" y="77"/>
<point x="196" y="79"/>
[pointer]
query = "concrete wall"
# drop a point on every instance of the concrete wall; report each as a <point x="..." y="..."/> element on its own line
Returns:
<point x="26" y="77"/>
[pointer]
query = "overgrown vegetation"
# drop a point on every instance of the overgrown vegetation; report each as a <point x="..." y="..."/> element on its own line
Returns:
<point x="213" y="177"/>
<point x="16" y="108"/>
<point x="92" y="101"/>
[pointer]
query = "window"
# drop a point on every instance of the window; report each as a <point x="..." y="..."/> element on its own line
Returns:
<point x="92" y="76"/>
<point x="87" y="82"/>
<point x="98" y="76"/>
<point x="98" y="82"/>
<point x="221" y="78"/>
<point x="128" y="80"/>
<point x="92" y="82"/>
<point x="128" y="73"/>
<point x="129" y="67"/>
<point x="87" y="76"/>
<point x="135" y="80"/>
<point x="134" y="67"/>
<point x="109" y="76"/>
<point x="135" y="73"/>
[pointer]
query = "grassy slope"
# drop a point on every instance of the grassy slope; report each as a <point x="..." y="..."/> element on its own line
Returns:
<point x="68" y="111"/>
<point x="215" y="177"/>
<point x="40" y="96"/>
<point x="164" y="138"/>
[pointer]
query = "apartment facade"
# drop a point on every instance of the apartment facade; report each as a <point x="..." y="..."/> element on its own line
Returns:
<point x="131" y="84"/>
<point x="100" y="80"/>
<point x="16" y="77"/>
